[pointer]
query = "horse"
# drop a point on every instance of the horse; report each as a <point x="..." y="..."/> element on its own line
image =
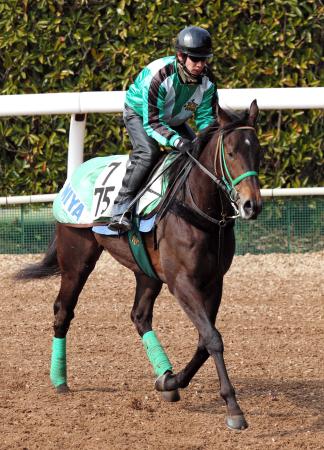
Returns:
<point x="191" y="249"/>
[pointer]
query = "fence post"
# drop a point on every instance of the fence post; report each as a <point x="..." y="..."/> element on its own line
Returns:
<point x="76" y="142"/>
<point x="22" y="224"/>
<point x="289" y="227"/>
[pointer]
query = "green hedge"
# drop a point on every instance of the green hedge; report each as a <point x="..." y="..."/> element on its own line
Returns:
<point x="66" y="46"/>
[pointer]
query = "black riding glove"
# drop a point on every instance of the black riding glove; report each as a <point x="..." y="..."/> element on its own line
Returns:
<point x="184" y="145"/>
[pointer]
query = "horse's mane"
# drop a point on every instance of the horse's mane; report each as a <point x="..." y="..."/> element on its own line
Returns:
<point x="237" y="119"/>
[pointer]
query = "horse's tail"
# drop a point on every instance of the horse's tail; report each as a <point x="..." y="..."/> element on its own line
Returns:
<point x="48" y="267"/>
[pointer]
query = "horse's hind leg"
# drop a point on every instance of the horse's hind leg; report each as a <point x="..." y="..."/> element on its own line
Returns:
<point x="77" y="253"/>
<point x="147" y="290"/>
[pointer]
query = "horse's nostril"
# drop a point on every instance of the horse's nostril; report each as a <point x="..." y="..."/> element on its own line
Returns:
<point x="249" y="210"/>
<point x="248" y="206"/>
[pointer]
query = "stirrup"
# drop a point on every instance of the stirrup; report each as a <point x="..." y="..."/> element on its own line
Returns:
<point x="121" y="223"/>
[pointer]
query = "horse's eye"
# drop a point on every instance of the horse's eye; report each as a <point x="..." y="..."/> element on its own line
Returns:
<point x="231" y="155"/>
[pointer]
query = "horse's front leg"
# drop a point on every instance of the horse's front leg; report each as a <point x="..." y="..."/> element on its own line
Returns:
<point x="183" y="378"/>
<point x="147" y="290"/>
<point x="194" y="302"/>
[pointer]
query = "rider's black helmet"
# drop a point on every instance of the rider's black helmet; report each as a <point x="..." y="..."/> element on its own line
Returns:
<point x="194" y="41"/>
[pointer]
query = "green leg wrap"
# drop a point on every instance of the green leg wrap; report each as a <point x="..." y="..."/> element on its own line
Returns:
<point x="58" y="362"/>
<point x="156" y="354"/>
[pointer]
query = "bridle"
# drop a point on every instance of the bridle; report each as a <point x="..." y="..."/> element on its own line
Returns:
<point x="226" y="183"/>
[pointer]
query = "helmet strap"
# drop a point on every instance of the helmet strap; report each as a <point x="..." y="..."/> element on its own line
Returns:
<point x="185" y="76"/>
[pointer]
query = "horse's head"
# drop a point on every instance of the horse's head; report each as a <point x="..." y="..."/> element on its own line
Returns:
<point x="237" y="160"/>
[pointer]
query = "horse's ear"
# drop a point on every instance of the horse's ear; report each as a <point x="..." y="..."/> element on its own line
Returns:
<point x="253" y="113"/>
<point x="222" y="116"/>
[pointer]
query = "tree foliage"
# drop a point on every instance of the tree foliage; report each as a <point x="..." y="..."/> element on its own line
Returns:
<point x="74" y="46"/>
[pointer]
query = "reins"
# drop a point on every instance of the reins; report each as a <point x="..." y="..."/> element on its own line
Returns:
<point x="149" y="184"/>
<point x="226" y="183"/>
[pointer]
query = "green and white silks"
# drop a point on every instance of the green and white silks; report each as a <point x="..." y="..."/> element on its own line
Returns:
<point x="58" y="362"/>
<point x="156" y="354"/>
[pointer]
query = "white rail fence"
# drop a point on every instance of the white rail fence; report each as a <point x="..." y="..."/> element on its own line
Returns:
<point x="78" y="104"/>
<point x="277" y="192"/>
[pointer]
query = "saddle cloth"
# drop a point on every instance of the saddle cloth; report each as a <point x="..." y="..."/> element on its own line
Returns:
<point x="87" y="197"/>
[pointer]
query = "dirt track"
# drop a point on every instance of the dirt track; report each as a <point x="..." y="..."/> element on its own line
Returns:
<point x="272" y="322"/>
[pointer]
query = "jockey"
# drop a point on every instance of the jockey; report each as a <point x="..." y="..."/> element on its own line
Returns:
<point x="163" y="97"/>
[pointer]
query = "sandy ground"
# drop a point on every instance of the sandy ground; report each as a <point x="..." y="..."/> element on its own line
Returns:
<point x="272" y="324"/>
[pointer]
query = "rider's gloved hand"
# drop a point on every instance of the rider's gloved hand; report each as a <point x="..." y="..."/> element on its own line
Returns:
<point x="184" y="145"/>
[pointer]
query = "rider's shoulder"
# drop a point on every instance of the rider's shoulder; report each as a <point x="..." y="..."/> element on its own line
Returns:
<point x="160" y="63"/>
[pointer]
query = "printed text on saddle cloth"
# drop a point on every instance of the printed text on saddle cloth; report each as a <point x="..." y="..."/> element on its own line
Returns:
<point x="90" y="193"/>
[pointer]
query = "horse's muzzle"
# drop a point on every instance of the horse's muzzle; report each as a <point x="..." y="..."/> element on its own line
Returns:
<point x="249" y="199"/>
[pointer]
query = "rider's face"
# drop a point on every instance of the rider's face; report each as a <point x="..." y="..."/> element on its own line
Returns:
<point x="195" y="65"/>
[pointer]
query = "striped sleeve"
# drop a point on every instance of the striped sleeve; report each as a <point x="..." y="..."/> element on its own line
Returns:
<point x="206" y="112"/>
<point x="154" y="94"/>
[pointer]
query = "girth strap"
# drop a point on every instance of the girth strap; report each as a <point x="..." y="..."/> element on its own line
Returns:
<point x="139" y="251"/>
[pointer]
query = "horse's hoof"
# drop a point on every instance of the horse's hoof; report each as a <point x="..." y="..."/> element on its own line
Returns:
<point x="160" y="382"/>
<point x="236" y="422"/>
<point x="168" y="396"/>
<point x="171" y="396"/>
<point x="63" y="389"/>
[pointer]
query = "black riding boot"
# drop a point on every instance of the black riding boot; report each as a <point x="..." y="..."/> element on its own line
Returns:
<point x="135" y="175"/>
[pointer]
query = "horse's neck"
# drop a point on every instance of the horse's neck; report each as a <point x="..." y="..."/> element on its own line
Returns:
<point x="205" y="192"/>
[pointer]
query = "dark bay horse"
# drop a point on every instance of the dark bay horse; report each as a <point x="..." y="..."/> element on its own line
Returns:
<point x="195" y="247"/>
